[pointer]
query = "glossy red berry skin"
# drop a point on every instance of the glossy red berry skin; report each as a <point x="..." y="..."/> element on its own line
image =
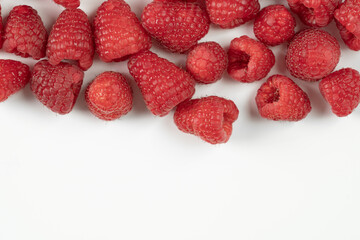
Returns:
<point x="68" y="3"/>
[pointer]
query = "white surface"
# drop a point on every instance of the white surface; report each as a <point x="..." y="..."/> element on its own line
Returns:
<point x="76" y="177"/>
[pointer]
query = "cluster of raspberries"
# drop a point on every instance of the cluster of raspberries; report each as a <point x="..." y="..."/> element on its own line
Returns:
<point x="116" y="34"/>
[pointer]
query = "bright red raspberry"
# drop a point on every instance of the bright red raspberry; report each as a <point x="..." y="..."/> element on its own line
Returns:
<point x="162" y="84"/>
<point x="312" y="55"/>
<point x="71" y="38"/>
<point x="274" y="25"/>
<point x="176" y="25"/>
<point x="279" y="98"/>
<point x="249" y="59"/>
<point x="210" y="118"/>
<point x="14" y="76"/>
<point x="315" y="13"/>
<point x="68" y="3"/>
<point x="25" y="34"/>
<point x="341" y="89"/>
<point x="57" y="87"/>
<point x="1" y="30"/>
<point x="207" y="62"/>
<point x="118" y="32"/>
<point x="109" y="96"/>
<point x="231" y="13"/>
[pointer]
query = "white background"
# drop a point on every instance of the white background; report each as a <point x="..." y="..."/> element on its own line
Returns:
<point x="76" y="177"/>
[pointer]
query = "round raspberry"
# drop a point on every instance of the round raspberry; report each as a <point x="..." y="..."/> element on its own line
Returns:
<point x="312" y="55"/>
<point x="274" y="25"/>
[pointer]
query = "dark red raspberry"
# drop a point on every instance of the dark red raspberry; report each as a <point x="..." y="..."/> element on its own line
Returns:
<point x="109" y="96"/>
<point x="71" y="38"/>
<point x="315" y="13"/>
<point x="57" y="87"/>
<point x="118" y="32"/>
<point x="279" y="98"/>
<point x="207" y="62"/>
<point x="14" y="76"/>
<point x="274" y="25"/>
<point x="25" y="34"/>
<point x="312" y="55"/>
<point x="231" y="13"/>
<point x="249" y="60"/>
<point x="176" y="25"/>
<point x="68" y="3"/>
<point x="162" y="84"/>
<point x="341" y="89"/>
<point x="210" y="118"/>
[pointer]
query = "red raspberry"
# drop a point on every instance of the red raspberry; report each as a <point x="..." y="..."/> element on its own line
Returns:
<point x="71" y="38"/>
<point x="1" y="30"/>
<point x="312" y="55"/>
<point x="14" y="76"/>
<point x="162" y="84"/>
<point x="341" y="89"/>
<point x="274" y="25"/>
<point x="176" y="25"/>
<point x="231" y="13"/>
<point x="109" y="96"/>
<point x="249" y="60"/>
<point x="118" y="32"/>
<point x="207" y="62"/>
<point x="315" y="13"/>
<point x="279" y="98"/>
<point x="25" y="34"/>
<point x="210" y="118"/>
<point x="57" y="87"/>
<point x="68" y="3"/>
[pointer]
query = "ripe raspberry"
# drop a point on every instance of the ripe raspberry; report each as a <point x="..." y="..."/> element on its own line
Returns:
<point x="279" y="98"/>
<point x="176" y="25"/>
<point x="341" y="89"/>
<point x="57" y="87"/>
<point x="109" y="96"/>
<point x="315" y="13"/>
<point x="312" y="55"/>
<point x="118" y="32"/>
<point x="25" y="34"/>
<point x="210" y="118"/>
<point x="68" y="3"/>
<point x="14" y="76"/>
<point x="207" y="62"/>
<point x="162" y="84"/>
<point x="274" y="25"/>
<point x="249" y="60"/>
<point x="1" y="30"/>
<point x="71" y="38"/>
<point x="231" y="13"/>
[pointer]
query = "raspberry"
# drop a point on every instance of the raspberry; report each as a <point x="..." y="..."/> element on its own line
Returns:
<point x="176" y="25"/>
<point x="71" y="38"/>
<point x="25" y="34"/>
<point x="118" y="32"/>
<point x="249" y="60"/>
<point x="57" y="87"/>
<point x="231" y="13"/>
<point x="14" y="76"/>
<point x="207" y="62"/>
<point x="341" y="89"/>
<point x="279" y="98"/>
<point x="210" y="118"/>
<point x="274" y="25"/>
<point x="109" y="96"/>
<point x="315" y="13"/>
<point x="162" y="84"/>
<point x="1" y="30"/>
<point x="312" y="55"/>
<point x="68" y="3"/>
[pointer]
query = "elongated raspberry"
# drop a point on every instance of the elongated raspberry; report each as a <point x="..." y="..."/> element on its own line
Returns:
<point x="57" y="87"/>
<point x="25" y="34"/>
<point x="162" y="84"/>
<point x="68" y="3"/>
<point x="341" y="89"/>
<point x="178" y="26"/>
<point x="210" y="118"/>
<point x="279" y="98"/>
<point x="249" y="60"/>
<point x="71" y="38"/>
<point x="14" y="76"/>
